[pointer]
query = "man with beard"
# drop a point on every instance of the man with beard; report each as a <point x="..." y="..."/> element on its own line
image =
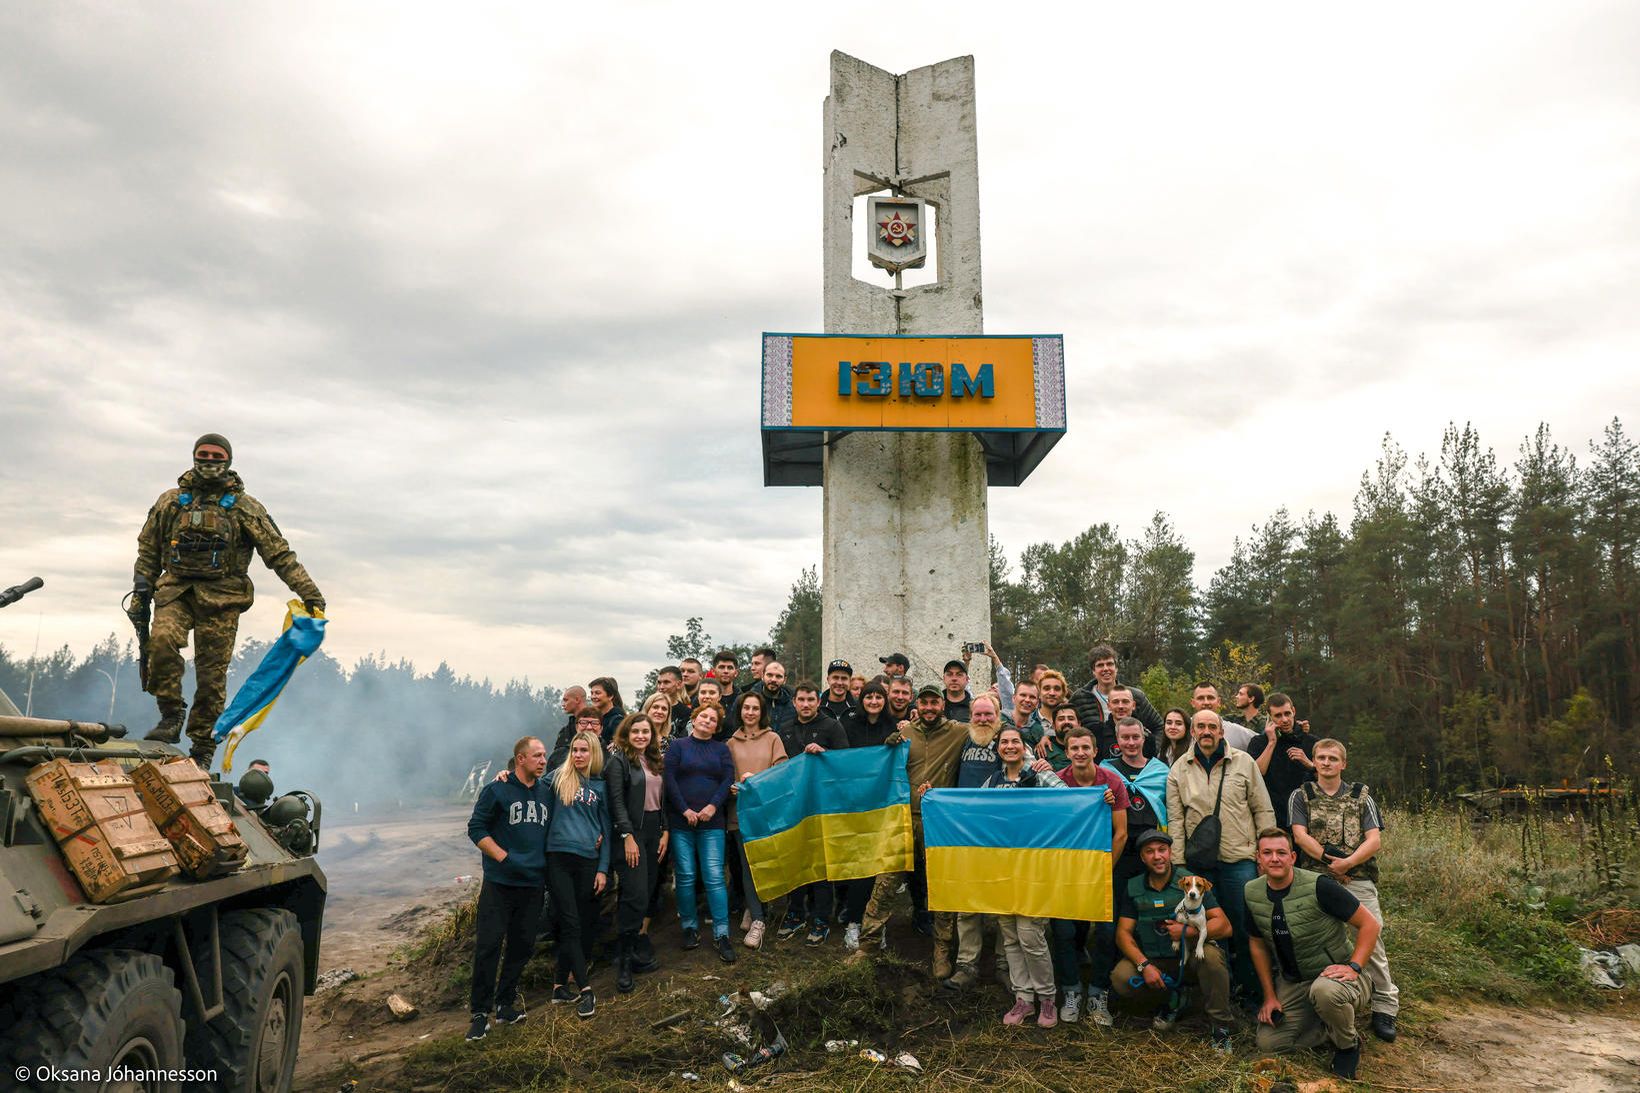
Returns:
<point x="936" y="748"/>
<point x="193" y="566"/>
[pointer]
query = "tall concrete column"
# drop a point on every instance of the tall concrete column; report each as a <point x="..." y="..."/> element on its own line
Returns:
<point x="906" y="564"/>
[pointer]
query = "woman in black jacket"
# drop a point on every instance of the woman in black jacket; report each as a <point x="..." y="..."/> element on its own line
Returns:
<point x="633" y="777"/>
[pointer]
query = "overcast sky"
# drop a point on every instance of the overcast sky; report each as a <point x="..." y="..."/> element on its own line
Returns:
<point x="476" y="290"/>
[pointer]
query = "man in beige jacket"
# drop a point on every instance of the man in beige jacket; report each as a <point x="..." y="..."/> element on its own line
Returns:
<point x="1215" y="779"/>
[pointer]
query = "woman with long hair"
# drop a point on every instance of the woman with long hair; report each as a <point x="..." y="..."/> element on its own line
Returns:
<point x="1025" y="938"/>
<point x="867" y="726"/>
<point x="1175" y="742"/>
<point x="578" y="838"/>
<point x="657" y="710"/>
<point x="633" y="775"/>
<point x="756" y="747"/>
<point x="699" y="772"/>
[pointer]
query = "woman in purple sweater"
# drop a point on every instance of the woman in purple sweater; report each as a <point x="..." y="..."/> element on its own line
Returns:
<point x="699" y="772"/>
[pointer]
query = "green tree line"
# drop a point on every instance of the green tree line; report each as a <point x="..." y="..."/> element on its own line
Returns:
<point x="1472" y="624"/>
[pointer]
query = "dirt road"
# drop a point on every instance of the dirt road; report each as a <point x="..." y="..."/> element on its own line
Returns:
<point x="388" y="875"/>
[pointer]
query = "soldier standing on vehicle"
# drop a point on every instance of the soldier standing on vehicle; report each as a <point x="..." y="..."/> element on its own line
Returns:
<point x="193" y="558"/>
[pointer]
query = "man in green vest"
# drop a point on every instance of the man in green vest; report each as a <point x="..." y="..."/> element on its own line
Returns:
<point x="1149" y="940"/>
<point x="1339" y="831"/>
<point x="1298" y="925"/>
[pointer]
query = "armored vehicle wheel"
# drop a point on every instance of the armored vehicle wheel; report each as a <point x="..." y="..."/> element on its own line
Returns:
<point x="252" y="1044"/>
<point x="103" y="1010"/>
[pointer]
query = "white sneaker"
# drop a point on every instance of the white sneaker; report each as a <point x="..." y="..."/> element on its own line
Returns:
<point x="851" y="937"/>
<point x="745" y="921"/>
<point x="1071" y="1011"/>
<point x="754" y="935"/>
<point x="1098" y="1009"/>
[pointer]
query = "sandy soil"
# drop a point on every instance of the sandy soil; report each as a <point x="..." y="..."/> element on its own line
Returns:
<point x="389" y="875"/>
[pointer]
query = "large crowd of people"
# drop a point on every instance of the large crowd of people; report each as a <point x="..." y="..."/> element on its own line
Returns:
<point x="1247" y="822"/>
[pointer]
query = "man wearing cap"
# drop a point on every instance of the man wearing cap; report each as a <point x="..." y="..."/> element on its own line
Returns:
<point x="193" y="562"/>
<point x="958" y="701"/>
<point x="1150" y="940"/>
<point x="895" y="665"/>
<point x="838" y="702"/>
<point x="936" y="748"/>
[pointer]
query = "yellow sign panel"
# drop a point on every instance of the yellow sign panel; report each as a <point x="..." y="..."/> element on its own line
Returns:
<point x="958" y="383"/>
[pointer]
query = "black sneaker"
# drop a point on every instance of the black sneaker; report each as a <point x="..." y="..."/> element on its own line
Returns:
<point x="818" y="932"/>
<point x="1221" y="1039"/>
<point x="691" y="937"/>
<point x="1346" y="1060"/>
<point x="1383" y="1027"/>
<point x="507" y="1015"/>
<point x="587" y="1005"/>
<point x="923" y="923"/>
<point x="725" y="951"/>
<point x="789" y="926"/>
<point x="479" y="1027"/>
<point x="562" y="993"/>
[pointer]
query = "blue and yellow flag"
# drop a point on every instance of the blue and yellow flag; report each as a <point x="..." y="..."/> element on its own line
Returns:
<point x="302" y="636"/>
<point x="1152" y="782"/>
<point x="1038" y="852"/>
<point x="840" y="815"/>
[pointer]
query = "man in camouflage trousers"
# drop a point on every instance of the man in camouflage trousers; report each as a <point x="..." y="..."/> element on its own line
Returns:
<point x="193" y="558"/>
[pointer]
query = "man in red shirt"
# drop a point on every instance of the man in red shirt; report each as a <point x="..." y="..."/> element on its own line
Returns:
<point x="1071" y="938"/>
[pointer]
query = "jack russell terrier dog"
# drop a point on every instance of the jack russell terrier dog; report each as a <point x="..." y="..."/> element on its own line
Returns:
<point x="1191" y="912"/>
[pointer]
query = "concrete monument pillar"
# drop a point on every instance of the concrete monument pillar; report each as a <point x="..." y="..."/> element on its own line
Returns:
<point x="906" y="563"/>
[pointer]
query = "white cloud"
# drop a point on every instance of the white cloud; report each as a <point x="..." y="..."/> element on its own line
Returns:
<point x="477" y="294"/>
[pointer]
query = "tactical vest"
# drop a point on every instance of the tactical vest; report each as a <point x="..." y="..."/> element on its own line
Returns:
<point x="1152" y="907"/>
<point x="204" y="539"/>
<point x="1336" y="821"/>
<point x="1319" y="940"/>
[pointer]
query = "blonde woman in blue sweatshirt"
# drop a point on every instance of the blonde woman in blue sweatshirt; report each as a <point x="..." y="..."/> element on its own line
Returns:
<point x="578" y="840"/>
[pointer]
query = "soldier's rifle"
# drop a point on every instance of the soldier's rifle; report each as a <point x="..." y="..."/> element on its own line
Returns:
<point x="138" y="607"/>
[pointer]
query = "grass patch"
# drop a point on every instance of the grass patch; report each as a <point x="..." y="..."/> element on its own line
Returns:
<point x="1472" y="917"/>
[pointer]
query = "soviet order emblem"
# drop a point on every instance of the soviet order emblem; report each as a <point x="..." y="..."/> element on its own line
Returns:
<point x="895" y="239"/>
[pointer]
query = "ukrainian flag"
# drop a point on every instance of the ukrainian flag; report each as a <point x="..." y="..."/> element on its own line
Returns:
<point x="1152" y="782"/>
<point x="301" y="638"/>
<point x="839" y="815"/>
<point x="1044" y="853"/>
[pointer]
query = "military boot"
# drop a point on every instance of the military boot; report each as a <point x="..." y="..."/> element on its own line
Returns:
<point x="169" y="729"/>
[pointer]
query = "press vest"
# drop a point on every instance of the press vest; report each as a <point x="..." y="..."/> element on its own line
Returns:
<point x="1319" y="940"/>
<point x="1337" y="821"/>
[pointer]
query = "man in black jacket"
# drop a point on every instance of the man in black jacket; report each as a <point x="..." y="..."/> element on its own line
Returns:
<point x="575" y="698"/>
<point x="958" y="701"/>
<point x="837" y="701"/>
<point x="1092" y="700"/>
<point x="810" y="733"/>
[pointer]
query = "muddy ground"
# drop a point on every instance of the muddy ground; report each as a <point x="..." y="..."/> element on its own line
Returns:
<point x="390" y="875"/>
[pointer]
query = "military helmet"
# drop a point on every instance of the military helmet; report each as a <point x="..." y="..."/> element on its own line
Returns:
<point x="287" y="809"/>
<point x="256" y="787"/>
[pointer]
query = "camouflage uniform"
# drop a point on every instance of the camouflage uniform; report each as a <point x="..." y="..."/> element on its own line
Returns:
<point x="195" y="552"/>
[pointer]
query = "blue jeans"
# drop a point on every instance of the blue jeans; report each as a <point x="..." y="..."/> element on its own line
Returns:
<point x="1229" y="885"/>
<point x="698" y="852"/>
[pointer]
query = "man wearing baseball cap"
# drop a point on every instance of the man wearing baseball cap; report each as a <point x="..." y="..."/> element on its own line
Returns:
<point x="936" y="748"/>
<point x="895" y="664"/>
<point x="837" y="702"/>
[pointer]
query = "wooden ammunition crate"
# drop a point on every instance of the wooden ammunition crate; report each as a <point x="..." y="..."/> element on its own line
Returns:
<point x="101" y="826"/>
<point x="180" y="802"/>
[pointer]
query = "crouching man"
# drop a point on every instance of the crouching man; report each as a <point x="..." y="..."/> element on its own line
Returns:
<point x="1149" y="940"/>
<point x="1298" y="925"/>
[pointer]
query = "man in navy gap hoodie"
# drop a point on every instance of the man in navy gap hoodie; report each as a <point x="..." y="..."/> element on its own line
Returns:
<point x="509" y="824"/>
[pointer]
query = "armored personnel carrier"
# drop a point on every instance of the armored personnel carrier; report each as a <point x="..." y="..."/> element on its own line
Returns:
<point x="198" y="984"/>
